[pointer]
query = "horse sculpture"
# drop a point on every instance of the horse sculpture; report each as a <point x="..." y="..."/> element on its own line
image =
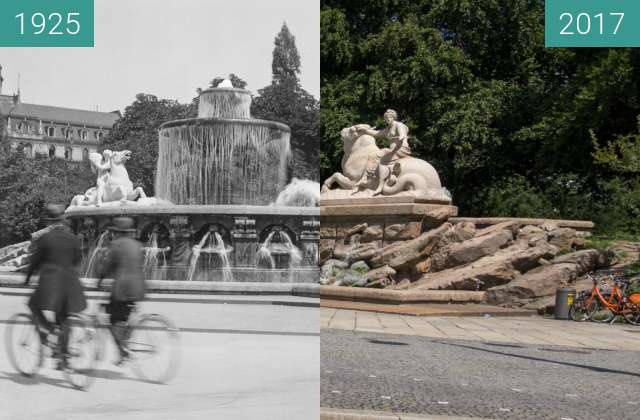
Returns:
<point x="408" y="176"/>
<point x="113" y="181"/>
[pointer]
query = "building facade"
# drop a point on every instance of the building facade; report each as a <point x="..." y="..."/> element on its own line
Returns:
<point x="50" y="131"/>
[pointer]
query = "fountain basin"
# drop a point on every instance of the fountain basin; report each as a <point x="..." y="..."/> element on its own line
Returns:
<point x="222" y="161"/>
<point x="180" y="228"/>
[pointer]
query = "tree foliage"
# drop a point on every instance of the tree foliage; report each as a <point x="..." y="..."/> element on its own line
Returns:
<point x="27" y="184"/>
<point x="284" y="100"/>
<point x="513" y="128"/>
<point x="235" y="80"/>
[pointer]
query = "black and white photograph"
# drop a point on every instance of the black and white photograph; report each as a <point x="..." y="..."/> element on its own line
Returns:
<point x="159" y="216"/>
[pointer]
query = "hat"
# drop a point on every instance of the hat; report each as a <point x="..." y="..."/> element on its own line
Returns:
<point x="53" y="213"/>
<point x="123" y="224"/>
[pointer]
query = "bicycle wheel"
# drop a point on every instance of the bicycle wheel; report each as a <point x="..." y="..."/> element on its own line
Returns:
<point x="583" y="308"/>
<point x="602" y="313"/>
<point x="152" y="344"/>
<point x="632" y="314"/>
<point x="81" y="351"/>
<point x="23" y="344"/>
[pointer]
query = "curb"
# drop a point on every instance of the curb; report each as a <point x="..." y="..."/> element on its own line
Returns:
<point x="426" y="310"/>
<point x="361" y="294"/>
<point x="194" y="287"/>
<point x="345" y="414"/>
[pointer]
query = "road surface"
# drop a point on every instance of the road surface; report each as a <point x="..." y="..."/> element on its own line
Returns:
<point x="244" y="359"/>
<point x="413" y="374"/>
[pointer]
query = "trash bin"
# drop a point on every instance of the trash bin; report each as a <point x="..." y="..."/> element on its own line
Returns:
<point x="564" y="300"/>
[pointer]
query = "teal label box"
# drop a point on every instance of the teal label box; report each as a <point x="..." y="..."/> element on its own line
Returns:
<point x="592" y="23"/>
<point x="46" y="23"/>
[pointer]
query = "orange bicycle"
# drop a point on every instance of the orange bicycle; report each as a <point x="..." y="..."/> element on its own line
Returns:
<point x="603" y="303"/>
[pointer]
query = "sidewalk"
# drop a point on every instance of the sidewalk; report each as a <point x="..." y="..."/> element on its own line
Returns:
<point x="426" y="309"/>
<point x="533" y="330"/>
<point x="342" y="414"/>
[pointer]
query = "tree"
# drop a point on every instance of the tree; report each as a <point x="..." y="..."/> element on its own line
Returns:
<point x="137" y="131"/>
<point x="27" y="184"/>
<point x="284" y="100"/>
<point x="286" y="60"/>
<point x="511" y="126"/>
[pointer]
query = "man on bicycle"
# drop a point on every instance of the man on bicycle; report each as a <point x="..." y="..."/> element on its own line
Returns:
<point x="124" y="264"/>
<point x="56" y="257"/>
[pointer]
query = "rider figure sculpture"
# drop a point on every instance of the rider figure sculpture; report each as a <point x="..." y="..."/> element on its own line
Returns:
<point x="102" y="167"/>
<point x="382" y="164"/>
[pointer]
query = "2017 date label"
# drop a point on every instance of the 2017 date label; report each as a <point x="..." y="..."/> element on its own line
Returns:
<point x="592" y="23"/>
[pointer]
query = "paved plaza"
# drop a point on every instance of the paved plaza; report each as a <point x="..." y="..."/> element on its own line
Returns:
<point x="533" y="330"/>
<point x="243" y="357"/>
<point x="495" y="368"/>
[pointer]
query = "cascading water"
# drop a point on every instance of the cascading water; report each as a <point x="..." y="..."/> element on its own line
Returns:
<point x="224" y="156"/>
<point x="264" y="257"/>
<point x="195" y="255"/>
<point x="216" y="248"/>
<point x="295" y="256"/>
<point x="224" y="103"/>
<point x="284" y="246"/>
<point x="151" y="261"/>
<point x="300" y="193"/>
<point x="98" y="249"/>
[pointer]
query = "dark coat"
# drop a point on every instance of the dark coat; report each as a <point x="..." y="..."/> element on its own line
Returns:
<point x="56" y="256"/>
<point x="125" y="264"/>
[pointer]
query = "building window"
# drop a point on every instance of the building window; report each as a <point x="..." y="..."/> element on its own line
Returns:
<point x="28" y="150"/>
<point x="52" y="151"/>
<point x="51" y="131"/>
<point x="85" y="154"/>
<point x="83" y="134"/>
<point x="68" y="153"/>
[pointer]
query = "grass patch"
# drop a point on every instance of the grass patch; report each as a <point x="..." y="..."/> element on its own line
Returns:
<point x="598" y="242"/>
<point x="632" y="270"/>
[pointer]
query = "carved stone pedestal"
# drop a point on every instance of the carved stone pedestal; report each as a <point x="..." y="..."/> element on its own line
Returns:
<point x="378" y="220"/>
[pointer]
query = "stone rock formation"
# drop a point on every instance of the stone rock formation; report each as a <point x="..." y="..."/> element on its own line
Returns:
<point x="511" y="262"/>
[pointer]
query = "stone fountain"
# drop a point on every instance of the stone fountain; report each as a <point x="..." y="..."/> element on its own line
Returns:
<point x="221" y="204"/>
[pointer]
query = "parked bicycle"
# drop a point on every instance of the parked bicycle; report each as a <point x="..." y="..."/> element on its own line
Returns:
<point x="26" y="349"/>
<point x="150" y="342"/>
<point x="605" y="302"/>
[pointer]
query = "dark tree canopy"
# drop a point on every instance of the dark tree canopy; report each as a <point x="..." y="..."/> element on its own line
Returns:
<point x="236" y="81"/>
<point x="27" y="184"/>
<point x="513" y="128"/>
<point x="286" y="60"/>
<point x="287" y="102"/>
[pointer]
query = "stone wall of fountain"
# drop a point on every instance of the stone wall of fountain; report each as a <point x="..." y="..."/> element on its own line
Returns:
<point x="220" y="217"/>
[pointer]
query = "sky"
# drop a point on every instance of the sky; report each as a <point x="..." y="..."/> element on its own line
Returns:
<point x="166" y="48"/>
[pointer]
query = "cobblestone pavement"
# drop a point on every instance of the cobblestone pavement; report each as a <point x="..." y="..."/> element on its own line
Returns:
<point x="520" y="330"/>
<point x="441" y="376"/>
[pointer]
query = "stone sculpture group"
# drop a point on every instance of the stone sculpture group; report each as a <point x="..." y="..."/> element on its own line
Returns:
<point x="113" y="184"/>
<point x="368" y="171"/>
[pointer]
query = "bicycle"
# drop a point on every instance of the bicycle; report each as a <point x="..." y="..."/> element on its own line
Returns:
<point x="150" y="342"/>
<point x="603" y="305"/>
<point x="26" y="348"/>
